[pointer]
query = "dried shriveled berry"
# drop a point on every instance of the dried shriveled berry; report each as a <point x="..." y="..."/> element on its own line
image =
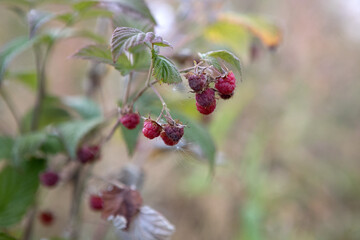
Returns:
<point x="130" y="120"/>
<point x="46" y="218"/>
<point x="197" y="82"/>
<point x="49" y="178"/>
<point x="206" y="110"/>
<point x="88" y="153"/>
<point x="205" y="98"/>
<point x="96" y="202"/>
<point x="172" y="134"/>
<point x="123" y="202"/>
<point x="226" y="85"/>
<point x="151" y="129"/>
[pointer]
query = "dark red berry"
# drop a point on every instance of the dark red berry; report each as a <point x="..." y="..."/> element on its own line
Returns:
<point x="206" y="110"/>
<point x="88" y="153"/>
<point x="197" y="82"/>
<point x="206" y="98"/>
<point x="96" y="202"/>
<point x="172" y="135"/>
<point x="151" y="129"/>
<point x="49" y="178"/>
<point x="167" y="140"/>
<point x="130" y="120"/>
<point x="226" y="96"/>
<point x="46" y="218"/>
<point x="226" y="85"/>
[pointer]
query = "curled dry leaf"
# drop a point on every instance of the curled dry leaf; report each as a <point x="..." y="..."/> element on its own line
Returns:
<point x="147" y="225"/>
<point x="121" y="205"/>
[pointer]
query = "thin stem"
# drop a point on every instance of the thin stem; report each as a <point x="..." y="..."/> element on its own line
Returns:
<point x="162" y="101"/>
<point x="128" y="87"/>
<point x="110" y="135"/>
<point x="150" y="73"/>
<point x="141" y="92"/>
<point x="11" y="107"/>
<point x="41" y="91"/>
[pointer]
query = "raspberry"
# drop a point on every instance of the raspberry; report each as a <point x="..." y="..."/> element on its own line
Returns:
<point x="197" y="82"/>
<point x="172" y="134"/>
<point x="151" y="129"/>
<point x="206" y="110"/>
<point x="226" y="85"/>
<point x="49" y="178"/>
<point x="226" y="96"/>
<point x="167" y="140"/>
<point x="130" y="120"/>
<point x="88" y="153"/>
<point x="46" y="218"/>
<point x="206" y="98"/>
<point x="96" y="202"/>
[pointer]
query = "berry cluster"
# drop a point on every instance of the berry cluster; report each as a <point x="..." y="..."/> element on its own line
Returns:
<point x="205" y="95"/>
<point x="169" y="133"/>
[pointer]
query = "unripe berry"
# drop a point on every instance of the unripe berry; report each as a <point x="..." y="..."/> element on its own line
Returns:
<point x="49" y="178"/>
<point x="206" y="110"/>
<point x="151" y="129"/>
<point x="197" y="82"/>
<point x="226" y="85"/>
<point x="205" y="98"/>
<point x="46" y="218"/>
<point x="88" y="153"/>
<point x="172" y="134"/>
<point x="130" y="120"/>
<point x="96" y="202"/>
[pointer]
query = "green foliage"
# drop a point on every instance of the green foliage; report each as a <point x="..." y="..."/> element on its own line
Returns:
<point x="71" y="133"/>
<point x="211" y="58"/>
<point x="4" y="236"/>
<point x="18" y="187"/>
<point x="101" y="54"/>
<point x="124" y="38"/>
<point x="6" y="144"/>
<point x="85" y="107"/>
<point x="28" y="78"/>
<point x="10" y="51"/>
<point x="164" y="70"/>
<point x="121" y="20"/>
<point x="36" y="19"/>
<point x="131" y="137"/>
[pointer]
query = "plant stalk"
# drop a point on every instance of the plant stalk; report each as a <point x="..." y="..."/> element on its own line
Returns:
<point x="11" y="107"/>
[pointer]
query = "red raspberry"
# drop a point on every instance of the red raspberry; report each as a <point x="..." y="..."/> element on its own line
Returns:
<point x="226" y="96"/>
<point x="226" y="85"/>
<point x="197" y="82"/>
<point x="130" y="120"/>
<point x="206" y="98"/>
<point x="49" y="178"/>
<point x="151" y="129"/>
<point x="96" y="202"/>
<point x="46" y="218"/>
<point x="172" y="134"/>
<point x="206" y="110"/>
<point x="88" y="153"/>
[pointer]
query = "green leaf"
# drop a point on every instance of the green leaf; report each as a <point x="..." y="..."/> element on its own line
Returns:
<point x="27" y="78"/>
<point x="124" y="38"/>
<point x="83" y="6"/>
<point x="10" y="51"/>
<point x="36" y="19"/>
<point x="131" y="137"/>
<point x="18" y="187"/>
<point x="52" y="145"/>
<point x="4" y="236"/>
<point x="135" y="6"/>
<point x="71" y="133"/>
<point x="101" y="54"/>
<point x="85" y="107"/>
<point x="26" y="146"/>
<point x="164" y="70"/>
<point x="52" y="112"/>
<point x="6" y="144"/>
<point x="224" y="55"/>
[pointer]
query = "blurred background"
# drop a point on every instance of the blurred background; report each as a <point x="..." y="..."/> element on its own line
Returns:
<point x="287" y="142"/>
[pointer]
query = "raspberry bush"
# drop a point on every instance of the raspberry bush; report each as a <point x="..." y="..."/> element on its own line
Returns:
<point x="69" y="134"/>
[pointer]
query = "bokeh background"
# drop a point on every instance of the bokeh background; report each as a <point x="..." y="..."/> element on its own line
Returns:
<point x="288" y="141"/>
